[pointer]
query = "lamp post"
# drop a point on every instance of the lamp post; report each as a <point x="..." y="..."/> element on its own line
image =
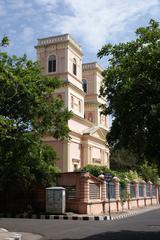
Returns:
<point x="108" y="178"/>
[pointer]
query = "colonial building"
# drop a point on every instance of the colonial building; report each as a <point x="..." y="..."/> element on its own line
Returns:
<point x="61" y="56"/>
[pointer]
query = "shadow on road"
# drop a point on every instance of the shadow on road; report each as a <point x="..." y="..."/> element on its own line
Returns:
<point x="123" y="235"/>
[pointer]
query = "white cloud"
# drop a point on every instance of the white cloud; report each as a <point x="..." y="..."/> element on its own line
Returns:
<point x="91" y="22"/>
<point x="97" y="21"/>
<point x="3" y="11"/>
<point x="48" y="5"/>
<point x="45" y="3"/>
<point x="18" y="4"/>
<point x="27" y="34"/>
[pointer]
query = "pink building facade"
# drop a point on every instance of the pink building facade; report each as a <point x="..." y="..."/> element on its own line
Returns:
<point x="61" y="56"/>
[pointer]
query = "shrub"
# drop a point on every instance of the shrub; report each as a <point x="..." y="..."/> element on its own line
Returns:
<point x="96" y="170"/>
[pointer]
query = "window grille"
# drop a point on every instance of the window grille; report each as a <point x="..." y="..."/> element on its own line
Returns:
<point x="70" y="192"/>
<point x="141" y="192"/>
<point x="148" y="193"/>
<point x="122" y="189"/>
<point x="94" y="191"/>
<point x="111" y="192"/>
<point x="132" y="190"/>
<point x="153" y="190"/>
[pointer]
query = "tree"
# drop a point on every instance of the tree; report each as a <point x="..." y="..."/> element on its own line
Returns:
<point x="132" y="88"/>
<point x="123" y="160"/>
<point x="149" y="172"/>
<point x="28" y="110"/>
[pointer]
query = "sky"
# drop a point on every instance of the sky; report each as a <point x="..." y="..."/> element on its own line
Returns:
<point x="92" y="23"/>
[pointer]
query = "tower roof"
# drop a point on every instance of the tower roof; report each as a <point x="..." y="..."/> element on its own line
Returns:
<point x="91" y="66"/>
<point x="58" y="39"/>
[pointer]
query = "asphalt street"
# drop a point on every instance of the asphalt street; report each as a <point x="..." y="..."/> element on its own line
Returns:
<point x="145" y="226"/>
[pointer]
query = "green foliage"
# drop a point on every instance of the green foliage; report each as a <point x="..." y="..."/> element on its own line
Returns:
<point x="149" y="172"/>
<point x="124" y="196"/>
<point x="96" y="170"/>
<point x="26" y="98"/>
<point x="28" y="111"/>
<point x="132" y="88"/>
<point x="126" y="176"/>
<point x="4" y="42"/>
<point x="145" y="172"/>
<point x="25" y="161"/>
<point x="133" y="175"/>
<point x="122" y="159"/>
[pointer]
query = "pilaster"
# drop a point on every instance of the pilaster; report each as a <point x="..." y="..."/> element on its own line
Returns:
<point x="66" y="157"/>
<point x="84" y="187"/>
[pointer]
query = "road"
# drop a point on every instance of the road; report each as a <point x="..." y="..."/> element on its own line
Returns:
<point x="141" y="227"/>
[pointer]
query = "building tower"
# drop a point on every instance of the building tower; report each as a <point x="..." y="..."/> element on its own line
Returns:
<point x="61" y="56"/>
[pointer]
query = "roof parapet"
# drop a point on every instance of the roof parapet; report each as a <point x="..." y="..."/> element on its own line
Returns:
<point x="58" y="39"/>
<point x="91" y="66"/>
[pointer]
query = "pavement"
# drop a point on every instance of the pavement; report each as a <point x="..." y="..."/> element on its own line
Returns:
<point x="133" y="212"/>
<point x="113" y="216"/>
<point x="5" y="234"/>
<point x="85" y="217"/>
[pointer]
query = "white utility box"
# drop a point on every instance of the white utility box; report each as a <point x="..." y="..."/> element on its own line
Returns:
<point x="55" y="200"/>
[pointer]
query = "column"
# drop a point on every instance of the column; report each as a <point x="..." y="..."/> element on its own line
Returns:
<point x="128" y="192"/>
<point x="84" y="187"/>
<point x="136" y="192"/>
<point x="150" y="189"/>
<point x="103" y="187"/>
<point x="66" y="157"/>
<point x="157" y="193"/>
<point x="103" y="191"/>
<point x="117" y="192"/>
<point x="102" y="156"/>
<point x="86" y="154"/>
<point x="107" y="159"/>
<point x="144" y="191"/>
<point x="90" y="155"/>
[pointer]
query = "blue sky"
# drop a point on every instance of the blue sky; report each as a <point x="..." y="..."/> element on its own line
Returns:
<point x="91" y="22"/>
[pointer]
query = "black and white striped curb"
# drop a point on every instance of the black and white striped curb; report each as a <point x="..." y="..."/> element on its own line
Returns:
<point x="116" y="216"/>
<point x="56" y="217"/>
<point x="134" y="212"/>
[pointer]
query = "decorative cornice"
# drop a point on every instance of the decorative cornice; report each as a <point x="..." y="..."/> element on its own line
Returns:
<point x="94" y="98"/>
<point x="82" y="120"/>
<point x="92" y="66"/>
<point x="63" y="73"/>
<point x="42" y="42"/>
<point x="94" y="139"/>
<point x="74" y="87"/>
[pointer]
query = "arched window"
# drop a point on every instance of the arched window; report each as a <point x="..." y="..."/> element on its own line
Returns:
<point x="84" y="85"/>
<point x="74" y="66"/>
<point x="90" y="117"/>
<point x="52" y="63"/>
<point x="72" y="102"/>
<point x="102" y="119"/>
<point x="79" y="106"/>
<point x="59" y="96"/>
